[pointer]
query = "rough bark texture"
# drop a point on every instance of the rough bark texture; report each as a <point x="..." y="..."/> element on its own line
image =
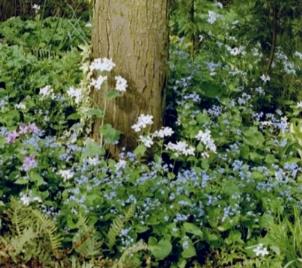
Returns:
<point x="134" y="34"/>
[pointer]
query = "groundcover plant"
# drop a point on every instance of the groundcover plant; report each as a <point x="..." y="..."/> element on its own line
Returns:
<point x="217" y="184"/>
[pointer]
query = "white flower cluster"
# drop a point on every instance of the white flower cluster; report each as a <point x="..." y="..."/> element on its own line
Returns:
<point x="213" y="17"/>
<point x="121" y="164"/>
<point x="106" y="65"/>
<point x="146" y="140"/>
<point x="299" y="105"/>
<point x="97" y="83"/>
<point x="93" y="161"/>
<point x="288" y="66"/>
<point x="27" y="198"/>
<point x="102" y="65"/>
<point x="66" y="174"/>
<point x="46" y="91"/>
<point x="218" y="4"/>
<point x="298" y="54"/>
<point x="265" y="78"/>
<point x="206" y="139"/>
<point x="121" y="84"/>
<point x="142" y="122"/>
<point x="20" y="106"/>
<point x="36" y="8"/>
<point x="181" y="147"/>
<point x="235" y="51"/>
<point x="163" y="132"/>
<point x="261" y="250"/>
<point x="75" y="93"/>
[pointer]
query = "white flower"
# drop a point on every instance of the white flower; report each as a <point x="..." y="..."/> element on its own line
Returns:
<point x="121" y="84"/>
<point x="266" y="123"/>
<point x="185" y="244"/>
<point x="75" y="93"/>
<point x="212" y="17"/>
<point x="27" y="199"/>
<point x="102" y="65"/>
<point x="206" y="139"/>
<point x="193" y="96"/>
<point x="236" y="50"/>
<point x="299" y="105"/>
<point x="260" y="90"/>
<point x="260" y="250"/>
<point x="20" y="106"/>
<point x="142" y="122"/>
<point x="201" y="38"/>
<point x="298" y="54"/>
<point x="265" y="78"/>
<point x="146" y="140"/>
<point x="163" y="132"/>
<point x="93" y="161"/>
<point x="121" y="164"/>
<point x="46" y="91"/>
<point x="205" y="155"/>
<point x="36" y="7"/>
<point x="66" y="174"/>
<point x="218" y="4"/>
<point x="97" y="83"/>
<point x="181" y="147"/>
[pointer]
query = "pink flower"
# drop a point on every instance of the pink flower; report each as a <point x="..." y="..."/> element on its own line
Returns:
<point x="11" y="137"/>
<point x="33" y="128"/>
<point x="29" y="163"/>
<point x="23" y="129"/>
<point x="28" y="129"/>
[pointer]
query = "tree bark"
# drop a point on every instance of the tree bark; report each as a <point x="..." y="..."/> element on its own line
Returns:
<point x="134" y="34"/>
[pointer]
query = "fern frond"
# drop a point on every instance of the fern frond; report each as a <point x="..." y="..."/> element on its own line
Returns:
<point x="129" y="213"/>
<point x="115" y="229"/>
<point x="32" y="234"/>
<point x="118" y="225"/>
<point x="15" y="214"/>
<point x="48" y="228"/>
<point x="137" y="247"/>
<point x="18" y="243"/>
<point x="85" y="241"/>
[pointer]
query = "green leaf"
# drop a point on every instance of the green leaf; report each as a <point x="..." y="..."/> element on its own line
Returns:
<point x="35" y="177"/>
<point x="182" y="263"/>
<point x="10" y="118"/>
<point x="192" y="229"/>
<point x="211" y="90"/>
<point x="21" y="181"/>
<point x="233" y="237"/>
<point x="253" y="137"/>
<point x="162" y="249"/>
<point x="112" y="94"/>
<point x="140" y="150"/>
<point x="110" y="134"/>
<point x="188" y="248"/>
<point x="91" y="149"/>
<point x="270" y="159"/>
<point x="95" y="112"/>
<point x="74" y="116"/>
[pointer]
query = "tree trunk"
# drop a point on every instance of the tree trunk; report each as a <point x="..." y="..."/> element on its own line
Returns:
<point x="134" y="34"/>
